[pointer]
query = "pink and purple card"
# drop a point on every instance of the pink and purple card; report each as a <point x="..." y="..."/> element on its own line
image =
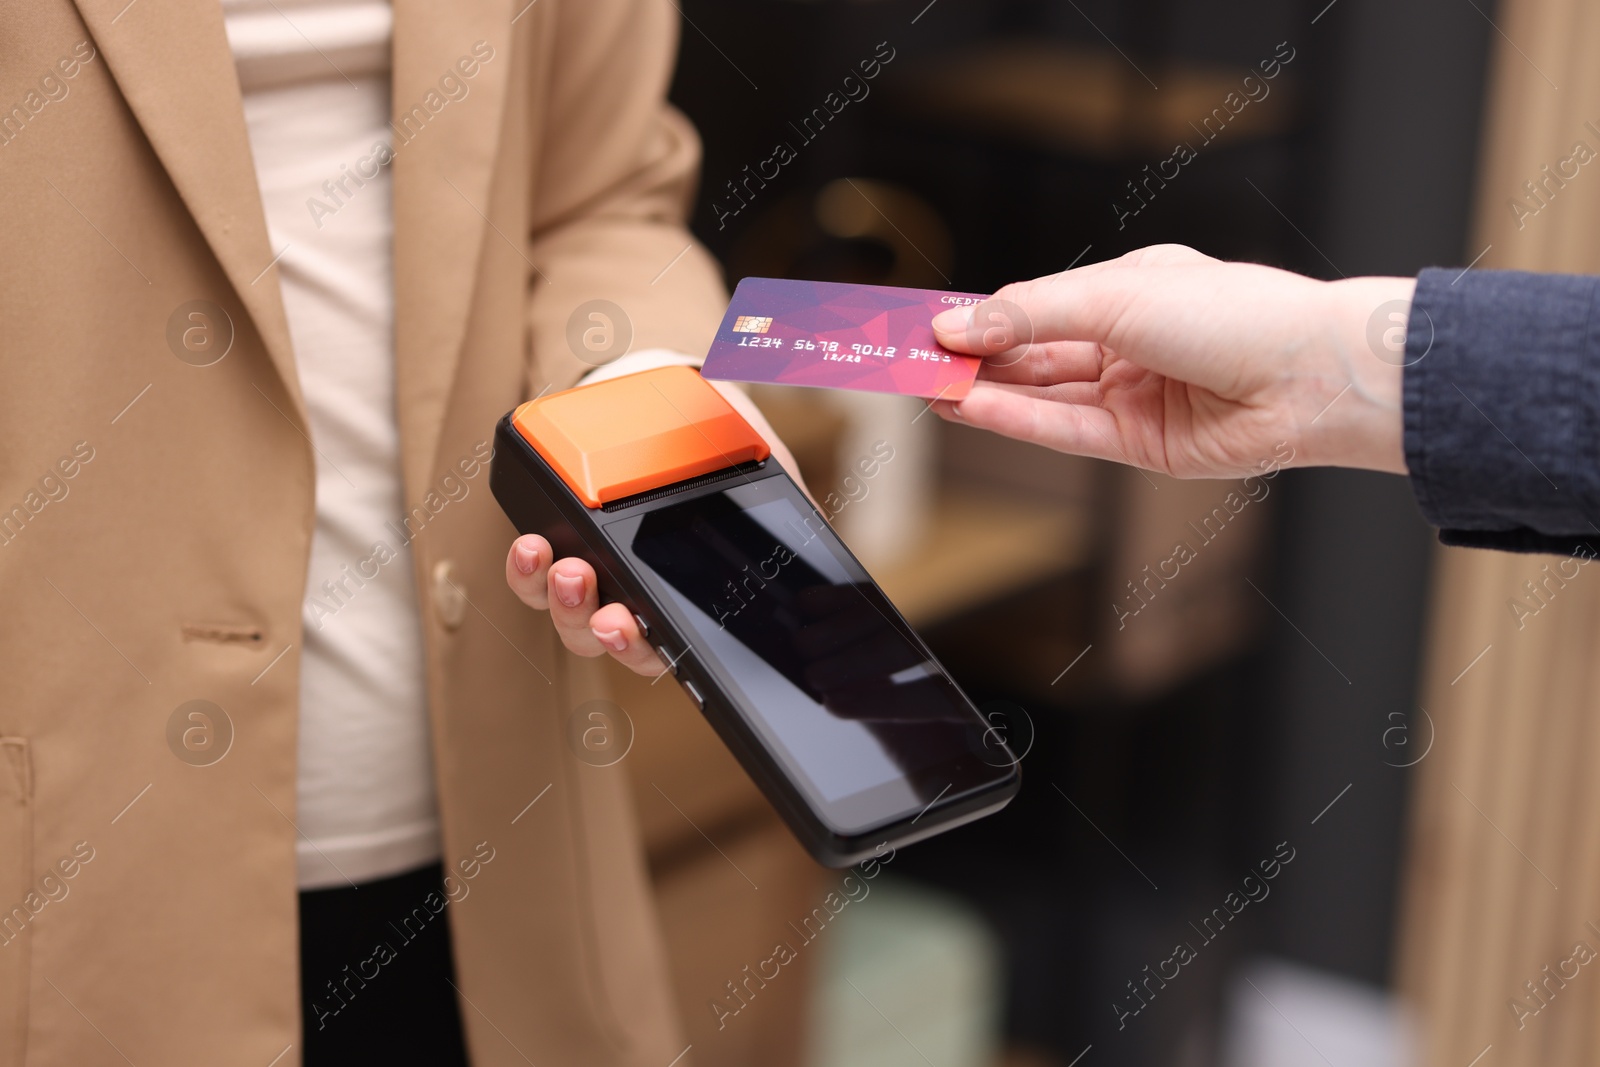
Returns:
<point x="875" y="338"/>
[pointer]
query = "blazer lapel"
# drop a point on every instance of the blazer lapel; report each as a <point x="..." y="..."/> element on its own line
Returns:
<point x="173" y="65"/>
<point x="445" y="153"/>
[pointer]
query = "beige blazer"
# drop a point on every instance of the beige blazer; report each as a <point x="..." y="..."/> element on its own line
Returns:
<point x="156" y="513"/>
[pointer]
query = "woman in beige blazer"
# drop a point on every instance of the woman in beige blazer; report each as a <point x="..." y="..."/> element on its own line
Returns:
<point x="157" y="509"/>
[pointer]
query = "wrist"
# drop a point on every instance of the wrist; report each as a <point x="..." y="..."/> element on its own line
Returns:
<point x="1363" y="420"/>
<point x="741" y="402"/>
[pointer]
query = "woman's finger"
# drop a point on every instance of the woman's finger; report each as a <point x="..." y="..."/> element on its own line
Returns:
<point x="617" y="630"/>
<point x="1019" y="412"/>
<point x="574" y="597"/>
<point x="530" y="554"/>
<point x="1045" y="364"/>
<point x="1079" y="305"/>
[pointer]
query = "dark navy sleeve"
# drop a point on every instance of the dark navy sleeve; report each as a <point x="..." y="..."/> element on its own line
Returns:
<point x="1502" y="409"/>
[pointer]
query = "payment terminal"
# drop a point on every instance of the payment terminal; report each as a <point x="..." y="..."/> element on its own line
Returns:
<point x="829" y="700"/>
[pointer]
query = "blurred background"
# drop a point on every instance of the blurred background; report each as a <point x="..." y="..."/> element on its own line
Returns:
<point x="1220" y="760"/>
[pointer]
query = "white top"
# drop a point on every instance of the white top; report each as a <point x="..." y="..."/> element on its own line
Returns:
<point x="366" y="804"/>
<point x="315" y="79"/>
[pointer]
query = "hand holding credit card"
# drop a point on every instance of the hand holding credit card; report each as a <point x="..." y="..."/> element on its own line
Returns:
<point x="835" y="335"/>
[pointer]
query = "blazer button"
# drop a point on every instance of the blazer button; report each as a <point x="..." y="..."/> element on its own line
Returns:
<point x="449" y="599"/>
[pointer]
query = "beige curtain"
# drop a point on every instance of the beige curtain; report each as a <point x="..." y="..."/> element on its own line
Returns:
<point x="1503" y="881"/>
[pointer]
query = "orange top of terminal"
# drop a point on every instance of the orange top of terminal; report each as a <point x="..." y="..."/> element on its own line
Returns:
<point x="636" y="433"/>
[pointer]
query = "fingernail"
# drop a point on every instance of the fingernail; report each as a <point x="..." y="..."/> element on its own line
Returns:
<point x="953" y="320"/>
<point x="526" y="559"/>
<point x="612" y="639"/>
<point x="569" y="589"/>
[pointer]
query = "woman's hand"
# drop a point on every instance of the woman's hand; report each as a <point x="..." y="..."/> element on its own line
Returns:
<point x="567" y="588"/>
<point x="1176" y="362"/>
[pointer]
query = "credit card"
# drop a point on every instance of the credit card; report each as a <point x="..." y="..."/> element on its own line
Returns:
<point x="835" y="335"/>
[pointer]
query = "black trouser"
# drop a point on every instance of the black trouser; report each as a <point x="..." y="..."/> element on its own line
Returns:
<point x="375" y="974"/>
